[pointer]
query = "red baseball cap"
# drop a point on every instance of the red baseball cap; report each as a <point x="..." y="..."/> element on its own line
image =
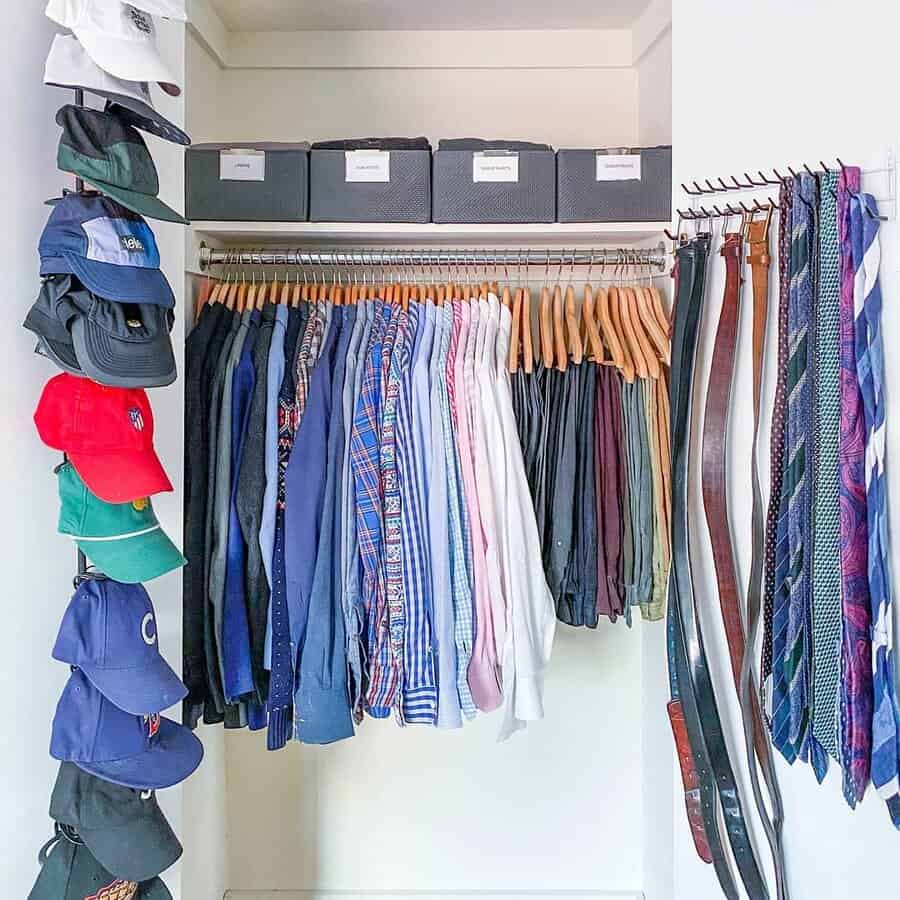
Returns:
<point x="107" y="433"/>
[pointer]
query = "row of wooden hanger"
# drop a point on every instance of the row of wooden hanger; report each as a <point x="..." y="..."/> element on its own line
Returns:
<point x="622" y="325"/>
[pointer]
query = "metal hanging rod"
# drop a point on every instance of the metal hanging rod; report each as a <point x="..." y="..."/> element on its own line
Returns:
<point x="626" y="256"/>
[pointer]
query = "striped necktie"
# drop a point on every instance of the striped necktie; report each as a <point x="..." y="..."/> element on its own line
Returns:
<point x="870" y="372"/>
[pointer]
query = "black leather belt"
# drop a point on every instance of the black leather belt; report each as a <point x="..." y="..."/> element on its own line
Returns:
<point x="689" y="668"/>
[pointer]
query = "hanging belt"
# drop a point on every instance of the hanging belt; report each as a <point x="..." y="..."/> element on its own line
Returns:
<point x="692" y="679"/>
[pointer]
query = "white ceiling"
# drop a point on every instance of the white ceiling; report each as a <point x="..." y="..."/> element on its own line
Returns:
<point x="385" y="15"/>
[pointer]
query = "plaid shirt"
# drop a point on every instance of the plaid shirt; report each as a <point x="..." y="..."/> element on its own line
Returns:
<point x="307" y="357"/>
<point x="460" y="538"/>
<point x="367" y="476"/>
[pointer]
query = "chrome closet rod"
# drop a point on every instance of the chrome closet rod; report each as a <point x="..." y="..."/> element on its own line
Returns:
<point x="626" y="256"/>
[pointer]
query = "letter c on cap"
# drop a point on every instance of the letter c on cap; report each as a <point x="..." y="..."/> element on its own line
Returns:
<point x="148" y="636"/>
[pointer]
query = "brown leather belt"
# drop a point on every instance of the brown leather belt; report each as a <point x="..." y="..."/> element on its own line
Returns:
<point x="715" y="481"/>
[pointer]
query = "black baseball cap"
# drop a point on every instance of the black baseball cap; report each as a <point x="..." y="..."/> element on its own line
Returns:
<point x="124" y="829"/>
<point x="116" y="344"/>
<point x="106" y="151"/>
<point x="70" y="872"/>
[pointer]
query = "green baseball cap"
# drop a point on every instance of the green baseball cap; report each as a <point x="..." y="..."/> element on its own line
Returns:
<point x="107" y="152"/>
<point x="70" y="872"/>
<point x="124" y="540"/>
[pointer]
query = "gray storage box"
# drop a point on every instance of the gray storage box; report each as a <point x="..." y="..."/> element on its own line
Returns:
<point x="370" y="185"/>
<point x="494" y="186"/>
<point x="254" y="182"/>
<point x="620" y="185"/>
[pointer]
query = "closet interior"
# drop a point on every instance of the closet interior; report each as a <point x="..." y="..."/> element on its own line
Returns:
<point x="420" y="809"/>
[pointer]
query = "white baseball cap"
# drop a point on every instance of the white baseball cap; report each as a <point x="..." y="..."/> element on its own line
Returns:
<point x="69" y="66"/>
<point x="165" y="9"/>
<point x="120" y="38"/>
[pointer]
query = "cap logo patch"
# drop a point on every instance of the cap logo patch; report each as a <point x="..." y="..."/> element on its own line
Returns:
<point x="137" y="420"/>
<point x="140" y="504"/>
<point x="141" y="20"/>
<point x="118" y="890"/>
<point x="131" y="244"/>
<point x="148" y="629"/>
<point x="152" y="724"/>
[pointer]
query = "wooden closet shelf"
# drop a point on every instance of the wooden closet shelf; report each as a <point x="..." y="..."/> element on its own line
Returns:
<point x="287" y="233"/>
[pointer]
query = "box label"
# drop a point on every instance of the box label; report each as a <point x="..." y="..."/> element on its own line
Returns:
<point x="242" y="165"/>
<point x="499" y="165"/>
<point x="367" y="165"/>
<point x="618" y="167"/>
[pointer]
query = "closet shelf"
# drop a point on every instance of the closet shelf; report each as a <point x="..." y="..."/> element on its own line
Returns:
<point x="608" y="233"/>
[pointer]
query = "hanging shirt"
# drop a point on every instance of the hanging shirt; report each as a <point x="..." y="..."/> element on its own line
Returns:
<point x="491" y="615"/>
<point x="350" y="577"/>
<point x="364" y="457"/>
<point x="281" y="682"/>
<point x="202" y="349"/>
<point x="274" y="375"/>
<point x="321" y="703"/>
<point x="458" y="518"/>
<point x="531" y="615"/>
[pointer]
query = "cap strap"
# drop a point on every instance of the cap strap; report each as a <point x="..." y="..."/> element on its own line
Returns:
<point x="118" y="537"/>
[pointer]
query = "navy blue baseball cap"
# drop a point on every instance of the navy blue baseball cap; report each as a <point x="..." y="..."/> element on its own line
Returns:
<point x="110" y="248"/>
<point x="142" y="752"/>
<point x="109" y="632"/>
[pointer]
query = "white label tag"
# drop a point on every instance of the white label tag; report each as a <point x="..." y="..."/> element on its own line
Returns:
<point x="499" y="166"/>
<point x="242" y="165"/>
<point x="367" y="165"/>
<point x="618" y="167"/>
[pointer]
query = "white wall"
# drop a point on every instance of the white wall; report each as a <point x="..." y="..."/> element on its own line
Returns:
<point x="655" y="92"/>
<point x="732" y="117"/>
<point x="38" y="563"/>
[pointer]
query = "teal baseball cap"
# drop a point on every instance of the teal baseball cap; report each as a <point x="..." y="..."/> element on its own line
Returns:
<point x="123" y="540"/>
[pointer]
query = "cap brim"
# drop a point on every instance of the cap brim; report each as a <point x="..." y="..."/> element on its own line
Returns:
<point x="136" y="851"/>
<point x="118" y="363"/>
<point x="174" y="755"/>
<point x="122" y="476"/>
<point x="145" y="204"/>
<point x="140" y="691"/>
<point x="122" y="283"/>
<point x="154" y="889"/>
<point x="145" y="118"/>
<point x="51" y="350"/>
<point x="126" y="59"/>
<point x="134" y="559"/>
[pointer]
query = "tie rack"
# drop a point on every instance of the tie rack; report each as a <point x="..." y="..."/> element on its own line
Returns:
<point x="401" y="258"/>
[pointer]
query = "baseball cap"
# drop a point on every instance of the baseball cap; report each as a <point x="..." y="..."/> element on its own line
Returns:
<point x="142" y="752"/>
<point x="109" y="632"/>
<point x="107" y="433"/>
<point x="100" y="148"/>
<point x="165" y="9"/>
<point x="116" y="344"/>
<point x="110" y="248"/>
<point x="54" y="340"/>
<point x="124" y="540"/>
<point x="69" y="871"/>
<point x="68" y="66"/>
<point x="118" y="37"/>
<point x="124" y="828"/>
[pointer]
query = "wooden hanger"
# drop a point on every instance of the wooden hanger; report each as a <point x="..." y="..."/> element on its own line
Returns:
<point x="575" y="346"/>
<point x="588" y="317"/>
<point x="545" y="315"/>
<point x="615" y="314"/>
<point x="628" y="312"/>
<point x="560" y="353"/>
<point x="527" y="335"/>
<point x="645" y="341"/>
<point x="659" y="333"/>
<point x="512" y="362"/>
<point x="610" y="334"/>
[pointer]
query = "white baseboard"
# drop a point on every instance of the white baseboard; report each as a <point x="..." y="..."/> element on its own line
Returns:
<point x="434" y="895"/>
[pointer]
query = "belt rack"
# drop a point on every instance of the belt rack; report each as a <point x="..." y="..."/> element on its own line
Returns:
<point x="756" y="183"/>
<point x="401" y="258"/>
